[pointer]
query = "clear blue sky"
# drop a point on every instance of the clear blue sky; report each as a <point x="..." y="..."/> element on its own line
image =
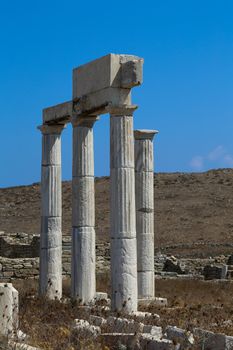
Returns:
<point x="188" y="77"/>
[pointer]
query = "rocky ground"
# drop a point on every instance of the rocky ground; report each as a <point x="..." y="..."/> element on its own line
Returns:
<point x="193" y="212"/>
<point x="193" y="222"/>
<point x="191" y="305"/>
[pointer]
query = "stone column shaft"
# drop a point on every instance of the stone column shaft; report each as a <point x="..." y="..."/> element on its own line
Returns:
<point x="144" y="177"/>
<point x="51" y="212"/>
<point x="83" y="278"/>
<point x="123" y="217"/>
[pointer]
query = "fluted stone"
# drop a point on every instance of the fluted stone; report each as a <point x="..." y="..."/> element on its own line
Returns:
<point x="123" y="217"/>
<point x="146" y="281"/>
<point x="123" y="203"/>
<point x="8" y="310"/>
<point x="83" y="201"/>
<point x="83" y="264"/>
<point x="83" y="160"/>
<point x="51" y="190"/>
<point x="144" y="181"/>
<point x="124" y="274"/>
<point x="83" y="282"/>
<point x="51" y="212"/>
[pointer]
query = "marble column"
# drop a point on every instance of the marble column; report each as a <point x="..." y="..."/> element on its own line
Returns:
<point x="123" y="216"/>
<point x="144" y="178"/>
<point x="83" y="279"/>
<point x="51" y="212"/>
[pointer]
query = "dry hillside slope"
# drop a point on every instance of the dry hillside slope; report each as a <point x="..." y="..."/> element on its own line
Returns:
<point x="193" y="211"/>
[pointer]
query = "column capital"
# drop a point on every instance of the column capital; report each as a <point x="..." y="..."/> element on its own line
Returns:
<point x="87" y="121"/>
<point x="48" y="129"/>
<point x="123" y="110"/>
<point x="145" y="134"/>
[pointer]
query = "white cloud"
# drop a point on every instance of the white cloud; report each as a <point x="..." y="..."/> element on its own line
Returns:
<point x="197" y="163"/>
<point x="217" y="153"/>
<point x="217" y="158"/>
<point x="228" y="160"/>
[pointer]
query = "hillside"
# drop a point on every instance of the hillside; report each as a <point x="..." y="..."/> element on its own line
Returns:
<point x="193" y="211"/>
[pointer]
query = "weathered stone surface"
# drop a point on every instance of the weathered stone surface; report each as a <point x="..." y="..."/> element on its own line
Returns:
<point x="124" y="274"/>
<point x="123" y="325"/>
<point x="209" y="340"/>
<point x="59" y="113"/>
<point x="146" y="281"/>
<point x="123" y="223"/>
<point x="145" y="252"/>
<point x="211" y="272"/>
<point x="141" y="316"/>
<point x="116" y="71"/>
<point x="97" y="321"/>
<point x="181" y="336"/>
<point x="20" y="346"/>
<point x="155" y="331"/>
<point x="144" y="185"/>
<point x="83" y="264"/>
<point x="83" y="154"/>
<point x="148" y="342"/>
<point x="122" y="141"/>
<point x="173" y="265"/>
<point x="123" y="218"/>
<point x="51" y="210"/>
<point x="83" y="212"/>
<point x="123" y="341"/>
<point x="51" y="191"/>
<point x="82" y="329"/>
<point x="8" y="310"/>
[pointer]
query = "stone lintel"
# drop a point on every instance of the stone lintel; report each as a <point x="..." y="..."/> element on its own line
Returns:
<point x="145" y="134"/>
<point x="116" y="71"/>
<point x="122" y="110"/>
<point x="48" y="129"/>
<point x="86" y="121"/>
<point x="60" y="113"/>
<point x="99" y="102"/>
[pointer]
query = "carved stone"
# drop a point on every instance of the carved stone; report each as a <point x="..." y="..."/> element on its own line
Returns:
<point x="144" y="176"/>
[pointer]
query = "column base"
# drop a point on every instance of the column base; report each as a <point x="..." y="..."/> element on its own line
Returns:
<point x="161" y="302"/>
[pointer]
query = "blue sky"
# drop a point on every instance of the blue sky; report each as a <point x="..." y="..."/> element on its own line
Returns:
<point x="188" y="77"/>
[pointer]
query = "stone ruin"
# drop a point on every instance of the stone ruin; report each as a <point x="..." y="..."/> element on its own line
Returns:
<point x="100" y="87"/>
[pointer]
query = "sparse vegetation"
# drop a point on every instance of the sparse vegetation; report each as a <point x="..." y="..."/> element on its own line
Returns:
<point x="208" y="305"/>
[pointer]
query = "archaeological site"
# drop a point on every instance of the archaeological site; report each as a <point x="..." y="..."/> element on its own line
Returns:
<point x="137" y="260"/>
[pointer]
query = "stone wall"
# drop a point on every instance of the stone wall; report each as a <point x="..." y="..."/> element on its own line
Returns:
<point x="19" y="245"/>
<point x="19" y="256"/>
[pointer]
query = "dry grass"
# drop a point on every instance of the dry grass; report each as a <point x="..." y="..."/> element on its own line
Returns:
<point x="49" y="323"/>
<point x="205" y="304"/>
<point x="208" y="305"/>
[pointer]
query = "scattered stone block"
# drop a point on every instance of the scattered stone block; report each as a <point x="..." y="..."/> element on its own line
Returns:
<point x="212" y="272"/>
<point x="97" y="321"/>
<point x="173" y="265"/>
<point x="178" y="335"/>
<point x="123" y="325"/>
<point x="148" y="342"/>
<point x="130" y="341"/>
<point x="83" y="329"/>
<point x="156" y="301"/>
<point x="102" y="297"/>
<point x="209" y="340"/>
<point x="140" y="316"/>
<point x="155" y="331"/>
<point x="20" y="346"/>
